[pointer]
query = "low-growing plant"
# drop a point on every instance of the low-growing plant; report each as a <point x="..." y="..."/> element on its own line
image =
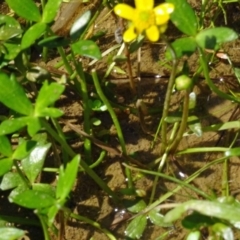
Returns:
<point x="31" y="123"/>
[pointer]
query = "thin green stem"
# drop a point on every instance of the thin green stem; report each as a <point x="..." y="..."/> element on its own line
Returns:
<point x="86" y="112"/>
<point x="115" y="121"/>
<point x="168" y="97"/>
<point x="65" y="60"/>
<point x="44" y="227"/>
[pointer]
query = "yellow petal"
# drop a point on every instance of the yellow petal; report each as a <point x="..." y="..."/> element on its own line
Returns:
<point x="129" y="35"/>
<point x="124" y="11"/>
<point x="144" y="4"/>
<point x="162" y="12"/>
<point x="153" y="33"/>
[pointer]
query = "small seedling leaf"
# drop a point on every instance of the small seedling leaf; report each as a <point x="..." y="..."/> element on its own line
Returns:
<point x="136" y="227"/>
<point x="48" y="94"/>
<point x="33" y="199"/>
<point x="223" y="230"/>
<point x="195" y="125"/>
<point x="50" y="10"/>
<point x="232" y="152"/>
<point x="136" y="205"/>
<point x="182" y="46"/>
<point x="10" y="180"/>
<point x="44" y="187"/>
<point x="50" y="112"/>
<point x="67" y="178"/>
<point x="5" y="165"/>
<point x="158" y="219"/>
<point x="23" y="150"/>
<point x="32" y="165"/>
<point x="12" y="49"/>
<point x="10" y="233"/>
<point x="184" y="17"/>
<point x="33" y="125"/>
<point x="13" y="96"/>
<point x="79" y="25"/>
<point x="32" y="34"/>
<point x="5" y="146"/>
<point x="87" y="48"/>
<point x="26" y="9"/>
<point x="212" y="38"/>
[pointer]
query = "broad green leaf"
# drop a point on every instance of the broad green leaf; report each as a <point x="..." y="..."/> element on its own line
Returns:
<point x="212" y="38"/>
<point x="67" y="178"/>
<point x="13" y="48"/>
<point x="33" y="199"/>
<point x="16" y="191"/>
<point x="32" y="34"/>
<point x="87" y="48"/>
<point x="184" y="17"/>
<point x="33" y="125"/>
<point x="50" y="10"/>
<point x="11" y="180"/>
<point x="5" y="146"/>
<point x="26" y="9"/>
<point x="13" y="96"/>
<point x="11" y="233"/>
<point x="12" y="125"/>
<point x="5" y="165"/>
<point x="232" y="152"/>
<point x="79" y="25"/>
<point x="195" y="235"/>
<point x="32" y="165"/>
<point x="223" y="211"/>
<point x="44" y="187"/>
<point x="50" y="112"/>
<point x="23" y="150"/>
<point x="182" y="46"/>
<point x="47" y="95"/>
<point x="158" y="219"/>
<point x="10" y="27"/>
<point x="136" y="227"/>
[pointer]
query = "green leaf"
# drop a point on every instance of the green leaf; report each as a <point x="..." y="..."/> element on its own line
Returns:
<point x="50" y="10"/>
<point x="10" y="233"/>
<point x="184" y="17"/>
<point x="33" y="199"/>
<point x="10" y="27"/>
<point x="44" y="187"/>
<point x="87" y="48"/>
<point x="158" y="219"/>
<point x="23" y="149"/>
<point x="50" y="112"/>
<point x="212" y="38"/>
<point x="47" y="95"/>
<point x="12" y="125"/>
<point x="195" y="125"/>
<point x="32" y="165"/>
<point x="5" y="146"/>
<point x="13" y="96"/>
<point x="182" y="46"/>
<point x="136" y="227"/>
<point x="223" y="211"/>
<point x="11" y="180"/>
<point x="32" y="34"/>
<point x="136" y="205"/>
<point x="67" y="178"/>
<point x="79" y="25"/>
<point x="26" y="9"/>
<point x="5" y="165"/>
<point x="12" y="49"/>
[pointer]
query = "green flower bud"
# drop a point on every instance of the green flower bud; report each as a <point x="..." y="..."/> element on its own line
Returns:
<point x="183" y="82"/>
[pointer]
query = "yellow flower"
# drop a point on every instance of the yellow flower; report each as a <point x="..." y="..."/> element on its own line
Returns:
<point x="144" y="19"/>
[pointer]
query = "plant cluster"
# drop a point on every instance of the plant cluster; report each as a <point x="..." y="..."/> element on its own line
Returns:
<point x="31" y="124"/>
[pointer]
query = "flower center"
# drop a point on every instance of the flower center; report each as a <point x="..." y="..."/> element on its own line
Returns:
<point x="144" y="20"/>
